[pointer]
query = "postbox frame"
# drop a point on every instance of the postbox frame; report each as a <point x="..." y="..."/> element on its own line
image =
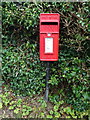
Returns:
<point x="54" y="56"/>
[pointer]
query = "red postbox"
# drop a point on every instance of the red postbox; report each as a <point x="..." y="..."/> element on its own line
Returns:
<point x="49" y="36"/>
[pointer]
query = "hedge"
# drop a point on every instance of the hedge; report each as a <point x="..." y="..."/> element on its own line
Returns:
<point x="22" y="69"/>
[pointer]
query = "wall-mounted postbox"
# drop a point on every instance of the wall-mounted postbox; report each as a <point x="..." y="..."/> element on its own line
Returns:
<point x="49" y="36"/>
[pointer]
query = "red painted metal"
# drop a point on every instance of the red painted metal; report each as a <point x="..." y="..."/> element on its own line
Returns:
<point x="49" y="35"/>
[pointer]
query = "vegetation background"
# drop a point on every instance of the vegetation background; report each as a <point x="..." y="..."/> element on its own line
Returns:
<point x="24" y="73"/>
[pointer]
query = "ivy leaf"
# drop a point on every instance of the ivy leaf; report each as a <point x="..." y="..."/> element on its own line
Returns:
<point x="1" y="105"/>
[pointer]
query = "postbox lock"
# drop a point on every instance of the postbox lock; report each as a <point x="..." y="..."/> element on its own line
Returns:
<point x="48" y="34"/>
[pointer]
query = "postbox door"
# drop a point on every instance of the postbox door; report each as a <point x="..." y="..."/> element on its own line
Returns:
<point x="49" y="47"/>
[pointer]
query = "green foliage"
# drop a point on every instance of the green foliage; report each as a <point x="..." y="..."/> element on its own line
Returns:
<point x="22" y="69"/>
<point x="26" y="110"/>
<point x="22" y="108"/>
<point x="54" y="98"/>
<point x="5" y="100"/>
<point x="0" y="105"/>
<point x="60" y="109"/>
<point x="17" y="106"/>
